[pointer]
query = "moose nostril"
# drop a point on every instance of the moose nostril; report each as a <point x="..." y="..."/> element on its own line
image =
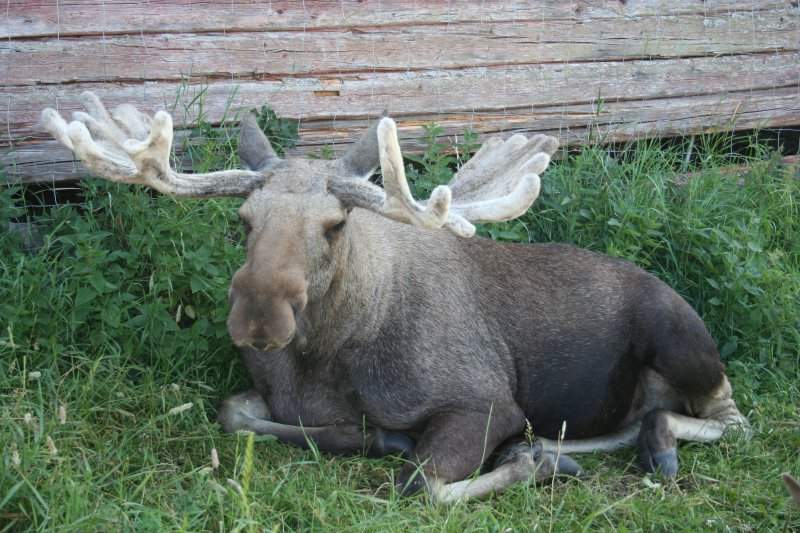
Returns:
<point x="260" y="345"/>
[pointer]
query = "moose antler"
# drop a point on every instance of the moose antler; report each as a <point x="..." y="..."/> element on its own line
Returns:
<point x="131" y="147"/>
<point x="394" y="200"/>
<point x="499" y="183"/>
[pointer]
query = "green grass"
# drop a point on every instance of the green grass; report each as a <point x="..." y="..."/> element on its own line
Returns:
<point x="120" y="320"/>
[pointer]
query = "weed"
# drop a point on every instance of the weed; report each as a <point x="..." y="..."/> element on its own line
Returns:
<point x="207" y="147"/>
<point x="435" y="165"/>
<point x="729" y="245"/>
<point x="282" y="133"/>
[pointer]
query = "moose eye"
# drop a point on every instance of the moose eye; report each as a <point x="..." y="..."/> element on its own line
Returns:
<point x="332" y="232"/>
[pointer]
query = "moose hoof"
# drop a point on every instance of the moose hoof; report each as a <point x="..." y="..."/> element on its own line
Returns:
<point x="658" y="448"/>
<point x="508" y="452"/>
<point x="550" y="466"/>
<point x="665" y="461"/>
<point x="411" y="480"/>
<point x="567" y="466"/>
<point x="546" y="465"/>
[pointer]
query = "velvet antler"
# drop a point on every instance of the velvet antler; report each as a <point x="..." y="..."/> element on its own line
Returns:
<point x="394" y="201"/>
<point x="131" y="147"/>
<point x="499" y="183"/>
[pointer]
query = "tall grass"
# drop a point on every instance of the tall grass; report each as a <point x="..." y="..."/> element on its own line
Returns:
<point x="729" y="244"/>
<point x="113" y="354"/>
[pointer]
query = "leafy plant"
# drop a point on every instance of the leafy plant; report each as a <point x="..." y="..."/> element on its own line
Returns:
<point x="207" y="147"/>
<point x="282" y="133"/>
<point x="728" y="244"/>
<point x="435" y="165"/>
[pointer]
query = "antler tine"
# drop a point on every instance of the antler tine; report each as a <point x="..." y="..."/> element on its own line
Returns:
<point x="130" y="147"/>
<point x="398" y="196"/>
<point x="394" y="201"/>
<point x="500" y="182"/>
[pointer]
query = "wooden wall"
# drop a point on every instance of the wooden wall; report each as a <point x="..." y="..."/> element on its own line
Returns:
<point x="609" y="69"/>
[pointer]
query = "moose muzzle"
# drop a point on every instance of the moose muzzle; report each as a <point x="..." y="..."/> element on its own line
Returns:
<point x="265" y="308"/>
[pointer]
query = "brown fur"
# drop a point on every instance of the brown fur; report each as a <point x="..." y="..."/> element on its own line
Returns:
<point x="792" y="485"/>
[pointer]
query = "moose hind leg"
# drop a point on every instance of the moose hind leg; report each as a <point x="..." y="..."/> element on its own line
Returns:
<point x="248" y="412"/>
<point x="660" y="428"/>
<point x="658" y="447"/>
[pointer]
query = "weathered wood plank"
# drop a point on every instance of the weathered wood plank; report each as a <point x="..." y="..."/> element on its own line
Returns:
<point x="425" y="93"/>
<point x="276" y="55"/>
<point x="499" y="65"/>
<point x="791" y="161"/>
<point x="573" y="124"/>
<point x="47" y="18"/>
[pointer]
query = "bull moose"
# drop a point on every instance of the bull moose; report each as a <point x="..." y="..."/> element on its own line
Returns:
<point x="370" y="322"/>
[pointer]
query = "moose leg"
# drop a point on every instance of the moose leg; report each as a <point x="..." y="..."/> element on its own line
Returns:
<point x="660" y="429"/>
<point x="657" y="431"/>
<point x="658" y="447"/>
<point x="621" y="438"/>
<point x="516" y="462"/>
<point x="660" y="432"/>
<point x="455" y="444"/>
<point x="248" y="412"/>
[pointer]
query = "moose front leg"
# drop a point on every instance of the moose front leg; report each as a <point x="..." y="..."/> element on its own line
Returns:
<point x="248" y="412"/>
<point x="455" y="444"/>
<point x="521" y="463"/>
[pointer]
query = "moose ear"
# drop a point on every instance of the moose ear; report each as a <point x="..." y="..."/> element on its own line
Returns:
<point x="254" y="147"/>
<point x="363" y="157"/>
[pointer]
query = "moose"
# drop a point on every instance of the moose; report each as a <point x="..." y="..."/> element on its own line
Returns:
<point x="370" y="322"/>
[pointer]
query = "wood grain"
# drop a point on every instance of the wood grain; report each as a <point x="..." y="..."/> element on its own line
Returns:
<point x="572" y="124"/>
<point x="430" y="93"/>
<point x="617" y="69"/>
<point x="277" y="55"/>
<point x="47" y="18"/>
